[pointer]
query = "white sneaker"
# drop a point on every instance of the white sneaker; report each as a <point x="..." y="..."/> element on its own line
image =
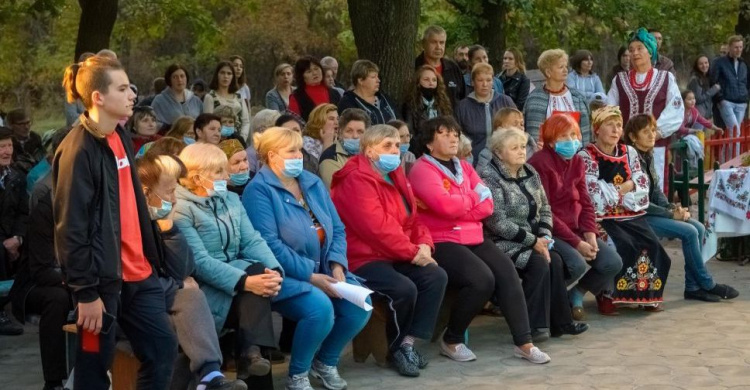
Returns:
<point x="535" y="355"/>
<point x="461" y="354"/>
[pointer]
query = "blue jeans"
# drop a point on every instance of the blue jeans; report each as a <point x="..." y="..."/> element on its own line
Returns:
<point x="600" y="278"/>
<point x="691" y="234"/>
<point x="324" y="325"/>
<point x="733" y="114"/>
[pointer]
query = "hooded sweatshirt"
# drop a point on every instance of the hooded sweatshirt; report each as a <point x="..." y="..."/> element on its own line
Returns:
<point x="168" y="109"/>
<point x="475" y="118"/>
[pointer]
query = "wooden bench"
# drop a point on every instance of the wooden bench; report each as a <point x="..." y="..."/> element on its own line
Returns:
<point x="124" y="368"/>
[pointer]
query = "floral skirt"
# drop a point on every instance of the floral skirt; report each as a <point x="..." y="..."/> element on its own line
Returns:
<point x="645" y="264"/>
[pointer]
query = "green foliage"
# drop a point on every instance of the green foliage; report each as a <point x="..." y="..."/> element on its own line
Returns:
<point x="37" y="37"/>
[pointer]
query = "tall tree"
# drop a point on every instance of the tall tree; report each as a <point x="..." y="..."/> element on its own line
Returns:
<point x="490" y="16"/>
<point x="384" y="32"/>
<point x="743" y="25"/>
<point x="95" y="26"/>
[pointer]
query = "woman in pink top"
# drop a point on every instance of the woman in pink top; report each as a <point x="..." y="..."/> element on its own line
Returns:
<point x="453" y="201"/>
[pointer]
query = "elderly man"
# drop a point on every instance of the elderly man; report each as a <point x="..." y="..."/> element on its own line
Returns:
<point x="14" y="210"/>
<point x="331" y="63"/>
<point x="433" y="45"/>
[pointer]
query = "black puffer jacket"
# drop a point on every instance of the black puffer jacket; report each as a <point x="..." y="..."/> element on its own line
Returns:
<point x="87" y="212"/>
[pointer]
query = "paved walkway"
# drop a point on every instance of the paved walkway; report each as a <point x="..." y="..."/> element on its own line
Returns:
<point x="691" y="345"/>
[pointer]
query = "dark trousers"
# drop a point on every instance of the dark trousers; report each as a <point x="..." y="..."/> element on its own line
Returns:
<point x="545" y="291"/>
<point x="53" y="305"/>
<point x="414" y="295"/>
<point x="250" y="317"/>
<point x="478" y="265"/>
<point x="144" y="319"/>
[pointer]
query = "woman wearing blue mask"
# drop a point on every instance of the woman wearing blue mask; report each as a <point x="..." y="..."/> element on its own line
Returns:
<point x="388" y="246"/>
<point x="237" y="165"/>
<point x="292" y="210"/>
<point x="574" y="220"/>
<point x="233" y="265"/>
<point x="352" y="125"/>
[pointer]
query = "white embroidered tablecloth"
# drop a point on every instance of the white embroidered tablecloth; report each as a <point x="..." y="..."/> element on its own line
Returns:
<point x="728" y="208"/>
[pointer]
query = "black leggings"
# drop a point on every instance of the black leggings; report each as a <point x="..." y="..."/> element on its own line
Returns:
<point x="478" y="272"/>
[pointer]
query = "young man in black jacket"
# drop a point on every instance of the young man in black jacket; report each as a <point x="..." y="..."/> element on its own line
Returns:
<point x="103" y="235"/>
<point x="433" y="45"/>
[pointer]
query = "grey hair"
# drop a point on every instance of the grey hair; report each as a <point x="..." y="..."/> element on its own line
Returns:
<point x="432" y="30"/>
<point x="327" y="61"/>
<point x="502" y="135"/>
<point x="376" y="134"/>
<point x="264" y="119"/>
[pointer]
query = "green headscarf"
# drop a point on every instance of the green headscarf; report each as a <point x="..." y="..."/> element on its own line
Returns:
<point x="642" y="35"/>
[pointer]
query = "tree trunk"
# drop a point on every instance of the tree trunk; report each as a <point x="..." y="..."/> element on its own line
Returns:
<point x="743" y="25"/>
<point x="95" y="27"/>
<point x="384" y="33"/>
<point x="492" y="31"/>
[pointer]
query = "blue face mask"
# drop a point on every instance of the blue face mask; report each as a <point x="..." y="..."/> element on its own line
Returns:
<point x="388" y="163"/>
<point x="403" y="148"/>
<point x="226" y="131"/>
<point x="220" y="186"/>
<point x="188" y="140"/>
<point x="567" y="149"/>
<point x="351" y="145"/>
<point x="240" y="178"/>
<point x="292" y="167"/>
<point x="160" y="212"/>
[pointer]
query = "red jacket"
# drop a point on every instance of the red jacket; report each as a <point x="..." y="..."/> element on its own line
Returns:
<point x="378" y="227"/>
<point x="564" y="182"/>
<point x="451" y="211"/>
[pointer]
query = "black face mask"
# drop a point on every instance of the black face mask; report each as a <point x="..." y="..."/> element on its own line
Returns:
<point x="428" y="93"/>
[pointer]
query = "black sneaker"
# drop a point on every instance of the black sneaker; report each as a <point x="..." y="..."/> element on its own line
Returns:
<point x="417" y="358"/>
<point x="701" y="295"/>
<point x="8" y="327"/>
<point x="402" y="361"/>
<point x="724" y="292"/>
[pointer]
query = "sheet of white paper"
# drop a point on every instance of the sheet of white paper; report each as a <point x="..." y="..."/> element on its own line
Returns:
<point x="354" y="294"/>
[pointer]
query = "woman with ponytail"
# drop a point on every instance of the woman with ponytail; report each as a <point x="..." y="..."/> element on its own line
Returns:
<point x="103" y="234"/>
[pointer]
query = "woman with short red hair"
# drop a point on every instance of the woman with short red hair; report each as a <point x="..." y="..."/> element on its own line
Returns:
<point x="574" y="221"/>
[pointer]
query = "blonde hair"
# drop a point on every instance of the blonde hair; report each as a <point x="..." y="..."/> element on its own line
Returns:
<point x="199" y="158"/>
<point x="481" y="67"/>
<point x="318" y="119"/>
<point x="274" y="139"/>
<point x="180" y="127"/>
<point x="376" y="134"/>
<point x="280" y="68"/>
<point x="501" y="137"/>
<point x="464" y="147"/>
<point x="549" y="58"/>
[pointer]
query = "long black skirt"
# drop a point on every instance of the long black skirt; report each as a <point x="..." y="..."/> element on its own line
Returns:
<point x="645" y="264"/>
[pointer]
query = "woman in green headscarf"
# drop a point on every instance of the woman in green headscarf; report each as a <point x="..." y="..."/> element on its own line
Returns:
<point x="646" y="90"/>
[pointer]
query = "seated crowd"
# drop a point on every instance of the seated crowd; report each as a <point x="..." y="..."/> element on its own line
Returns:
<point x="190" y="224"/>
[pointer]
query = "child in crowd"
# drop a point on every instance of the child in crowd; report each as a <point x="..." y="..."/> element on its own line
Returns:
<point x="694" y="128"/>
<point x="506" y="118"/>
<point x="407" y="157"/>
<point x="143" y="126"/>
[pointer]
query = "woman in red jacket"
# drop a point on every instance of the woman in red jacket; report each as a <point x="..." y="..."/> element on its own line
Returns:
<point x="311" y="91"/>
<point x="453" y="202"/>
<point x="573" y="219"/>
<point x="387" y="245"/>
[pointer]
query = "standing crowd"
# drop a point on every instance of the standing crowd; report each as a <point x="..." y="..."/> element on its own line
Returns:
<point x="182" y="222"/>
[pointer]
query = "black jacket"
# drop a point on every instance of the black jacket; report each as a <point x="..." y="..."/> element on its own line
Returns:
<point x="517" y="87"/>
<point x="452" y="77"/>
<point x="40" y="268"/>
<point x="179" y="261"/>
<point x="28" y="154"/>
<point x="378" y="115"/>
<point x="87" y="212"/>
<point x="14" y="204"/>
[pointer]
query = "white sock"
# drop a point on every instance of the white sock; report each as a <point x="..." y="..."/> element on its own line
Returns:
<point x="408" y="340"/>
